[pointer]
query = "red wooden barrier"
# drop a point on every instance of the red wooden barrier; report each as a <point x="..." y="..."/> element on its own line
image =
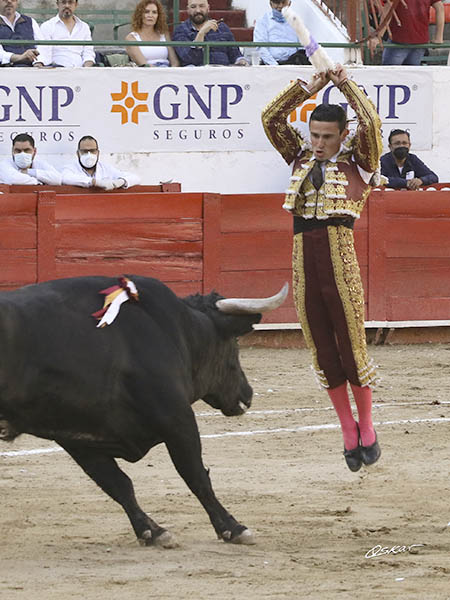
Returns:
<point x="402" y="241"/>
<point x="238" y="244"/>
<point x="72" y="189"/>
<point x="18" y="243"/>
<point x="412" y="273"/>
<point x="157" y="235"/>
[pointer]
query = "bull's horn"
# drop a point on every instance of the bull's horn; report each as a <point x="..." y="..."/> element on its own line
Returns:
<point x="240" y="306"/>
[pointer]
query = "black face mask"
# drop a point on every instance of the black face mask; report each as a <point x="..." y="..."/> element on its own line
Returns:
<point x="401" y="152"/>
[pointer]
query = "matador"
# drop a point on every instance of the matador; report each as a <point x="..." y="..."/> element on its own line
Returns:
<point x="331" y="180"/>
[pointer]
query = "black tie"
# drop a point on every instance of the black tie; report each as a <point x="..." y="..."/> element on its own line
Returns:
<point x="317" y="175"/>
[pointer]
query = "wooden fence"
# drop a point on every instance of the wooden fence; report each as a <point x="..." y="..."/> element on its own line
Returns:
<point x="239" y="245"/>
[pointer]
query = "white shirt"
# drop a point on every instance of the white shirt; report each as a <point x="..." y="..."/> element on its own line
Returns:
<point x="154" y="55"/>
<point x="74" y="174"/>
<point x="66" y="56"/>
<point x="5" y="57"/>
<point x="40" y="172"/>
<point x="267" y="29"/>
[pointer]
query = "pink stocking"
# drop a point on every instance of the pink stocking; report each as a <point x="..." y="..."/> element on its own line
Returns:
<point x="363" y="399"/>
<point x="341" y="403"/>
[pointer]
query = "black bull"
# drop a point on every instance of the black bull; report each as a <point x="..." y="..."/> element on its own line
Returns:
<point x="117" y="391"/>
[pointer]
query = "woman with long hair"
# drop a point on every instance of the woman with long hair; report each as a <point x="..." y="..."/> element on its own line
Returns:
<point x="150" y="25"/>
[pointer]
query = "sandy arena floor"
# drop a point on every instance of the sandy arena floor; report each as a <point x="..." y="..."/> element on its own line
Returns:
<point x="281" y="473"/>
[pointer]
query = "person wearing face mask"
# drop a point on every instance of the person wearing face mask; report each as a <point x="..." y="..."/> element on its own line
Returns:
<point x="403" y="169"/>
<point x="273" y="27"/>
<point x="23" y="168"/>
<point x="88" y="171"/>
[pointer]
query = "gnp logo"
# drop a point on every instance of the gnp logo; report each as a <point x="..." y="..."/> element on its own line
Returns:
<point x="386" y="97"/>
<point x="40" y="103"/>
<point x="177" y="103"/>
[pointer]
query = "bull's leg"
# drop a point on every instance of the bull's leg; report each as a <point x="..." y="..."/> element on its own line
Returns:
<point x="106" y="473"/>
<point x="184" y="447"/>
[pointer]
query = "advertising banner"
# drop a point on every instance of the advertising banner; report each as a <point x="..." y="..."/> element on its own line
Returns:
<point x="203" y="109"/>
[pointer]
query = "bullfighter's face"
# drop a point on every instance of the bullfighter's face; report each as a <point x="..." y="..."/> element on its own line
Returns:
<point x="326" y="138"/>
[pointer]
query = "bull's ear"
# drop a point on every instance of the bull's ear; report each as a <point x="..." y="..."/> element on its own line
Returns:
<point x="235" y="325"/>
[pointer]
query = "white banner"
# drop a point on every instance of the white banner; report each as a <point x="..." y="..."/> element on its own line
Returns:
<point x="204" y="109"/>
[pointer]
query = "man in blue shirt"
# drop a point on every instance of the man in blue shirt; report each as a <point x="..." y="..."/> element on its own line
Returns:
<point x="404" y="170"/>
<point x="273" y="27"/>
<point x="200" y="28"/>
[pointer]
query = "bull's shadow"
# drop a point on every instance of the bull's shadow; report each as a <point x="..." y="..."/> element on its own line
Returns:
<point x="117" y="391"/>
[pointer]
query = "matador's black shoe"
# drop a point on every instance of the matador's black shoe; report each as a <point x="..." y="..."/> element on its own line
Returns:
<point x="353" y="458"/>
<point x="370" y="454"/>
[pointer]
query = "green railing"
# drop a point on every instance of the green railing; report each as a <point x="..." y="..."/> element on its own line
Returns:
<point x="206" y="45"/>
<point x="117" y="17"/>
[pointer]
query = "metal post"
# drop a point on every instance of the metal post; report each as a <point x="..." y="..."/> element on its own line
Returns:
<point x="206" y="51"/>
<point x="176" y="12"/>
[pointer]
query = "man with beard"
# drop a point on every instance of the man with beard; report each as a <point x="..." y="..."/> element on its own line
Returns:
<point x="88" y="171"/>
<point x="23" y="168"/>
<point x="200" y="28"/>
<point x="66" y="26"/>
<point x="15" y="26"/>
<point x="403" y="169"/>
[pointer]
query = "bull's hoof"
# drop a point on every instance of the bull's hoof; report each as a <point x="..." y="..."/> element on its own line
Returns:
<point x="7" y="431"/>
<point x="244" y="537"/>
<point x="164" y="540"/>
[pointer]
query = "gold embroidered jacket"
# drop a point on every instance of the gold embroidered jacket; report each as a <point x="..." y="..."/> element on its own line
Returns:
<point x="344" y="191"/>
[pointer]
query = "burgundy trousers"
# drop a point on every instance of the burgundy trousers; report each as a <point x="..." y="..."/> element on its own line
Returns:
<point x="329" y="299"/>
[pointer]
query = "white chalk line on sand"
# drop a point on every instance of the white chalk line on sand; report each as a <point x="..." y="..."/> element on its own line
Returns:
<point x="325" y="426"/>
<point x="283" y="411"/>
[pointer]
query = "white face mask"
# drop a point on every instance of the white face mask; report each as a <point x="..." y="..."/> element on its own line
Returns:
<point x="88" y="160"/>
<point x="23" y="160"/>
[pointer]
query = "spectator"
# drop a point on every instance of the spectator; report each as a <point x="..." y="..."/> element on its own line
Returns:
<point x="66" y="26"/>
<point x="23" y="168"/>
<point x="404" y="170"/>
<point x="199" y="28"/>
<point x="413" y="29"/>
<point x="150" y="25"/>
<point x="88" y="171"/>
<point x="273" y="27"/>
<point x="14" y="26"/>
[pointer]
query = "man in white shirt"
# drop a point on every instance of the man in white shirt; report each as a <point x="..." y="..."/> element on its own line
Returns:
<point x="88" y="171"/>
<point x="23" y="168"/>
<point x="66" y="26"/>
<point x="14" y="26"/>
<point x="273" y="27"/>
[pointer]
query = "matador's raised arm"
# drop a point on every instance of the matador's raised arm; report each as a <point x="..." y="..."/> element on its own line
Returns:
<point x="288" y="141"/>
<point x="368" y="145"/>
<point x="281" y="135"/>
